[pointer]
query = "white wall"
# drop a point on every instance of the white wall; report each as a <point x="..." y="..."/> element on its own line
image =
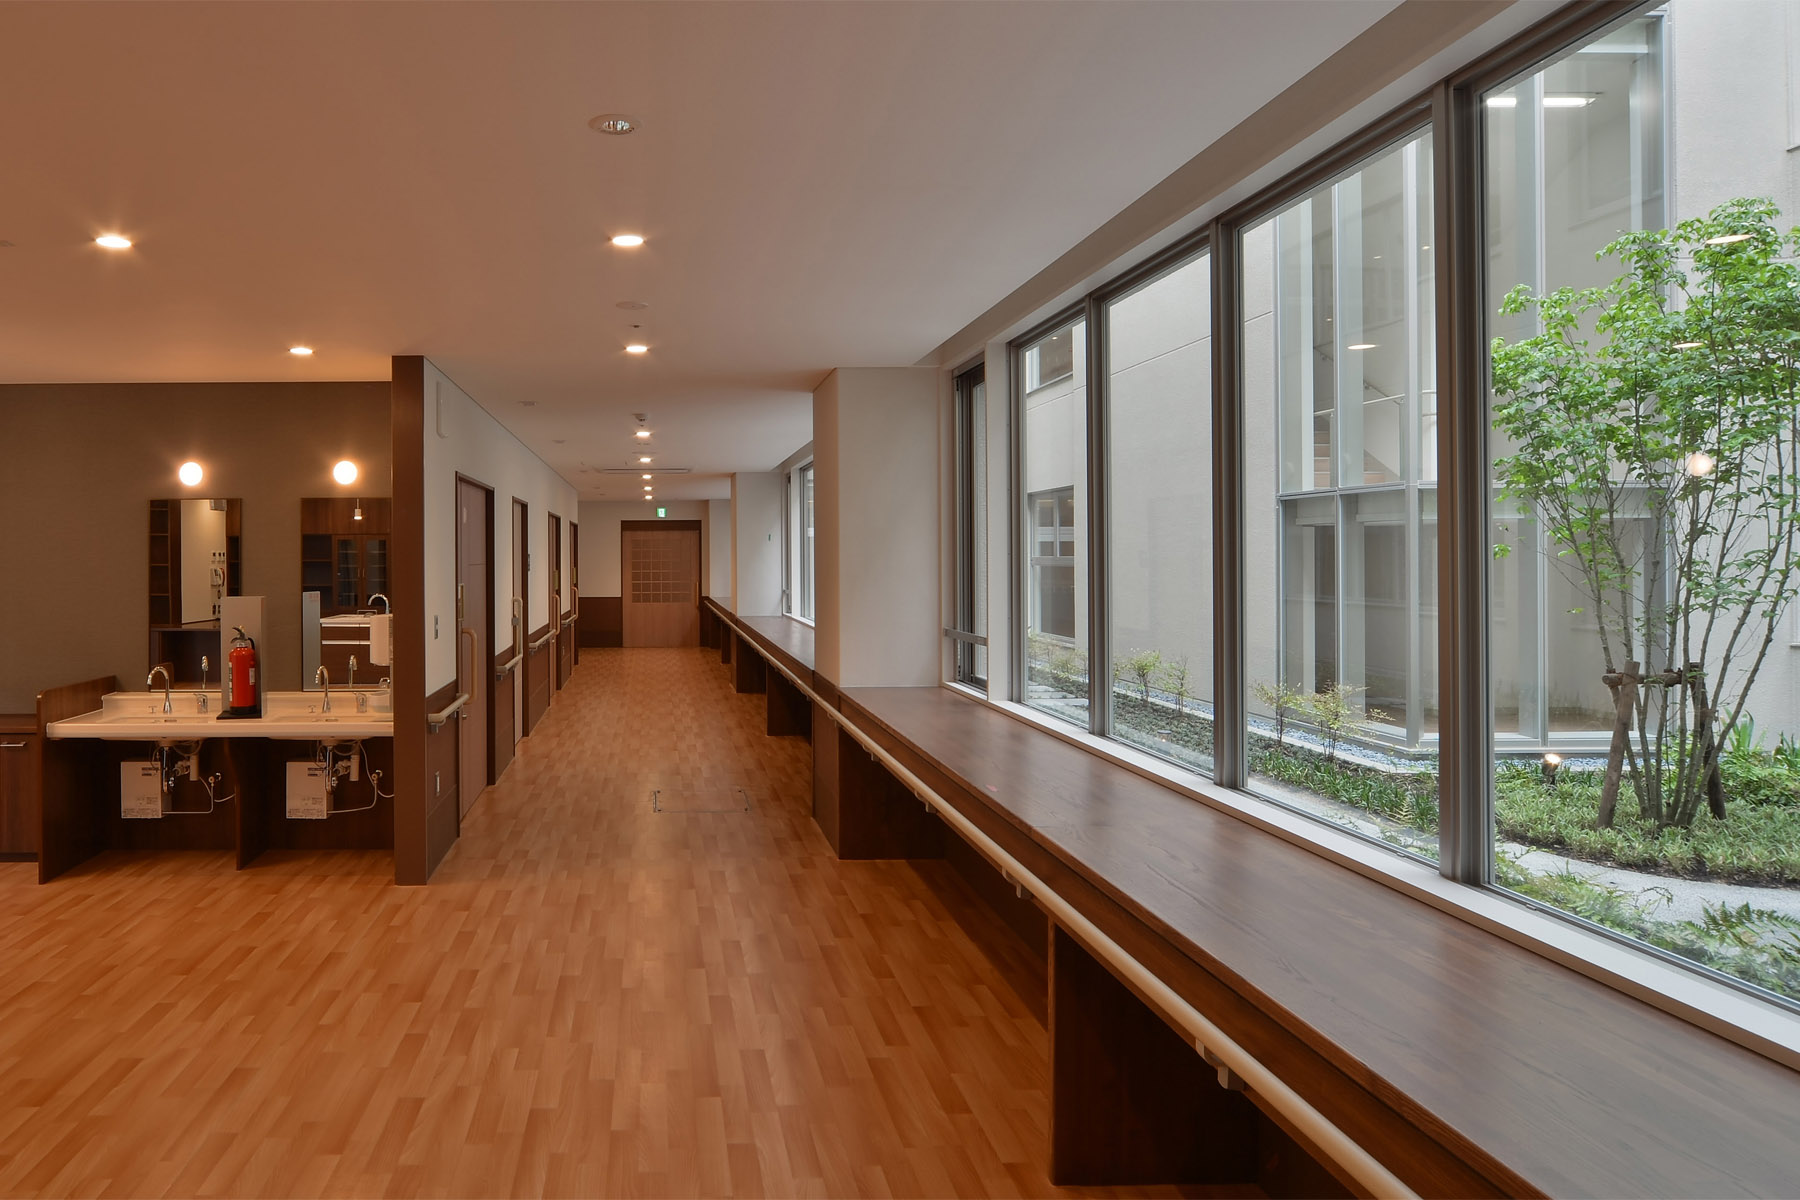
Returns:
<point x="718" y="550"/>
<point x="877" y="427"/>
<point x="601" y="559"/>
<point x="461" y="438"/>
<point x="756" y="543"/>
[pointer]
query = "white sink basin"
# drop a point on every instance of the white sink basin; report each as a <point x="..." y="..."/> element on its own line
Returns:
<point x="289" y="716"/>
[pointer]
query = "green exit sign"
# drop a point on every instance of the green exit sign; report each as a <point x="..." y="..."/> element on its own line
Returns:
<point x="661" y="511"/>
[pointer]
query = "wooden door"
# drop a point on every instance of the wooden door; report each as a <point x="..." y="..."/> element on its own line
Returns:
<point x="474" y="638"/>
<point x="660" y="568"/>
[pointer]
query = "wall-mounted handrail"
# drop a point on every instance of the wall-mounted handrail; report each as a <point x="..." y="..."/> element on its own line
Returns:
<point x="569" y="620"/>
<point x="510" y="664"/>
<point x="542" y="642"/>
<point x="1211" y="1042"/>
<point x="438" y="719"/>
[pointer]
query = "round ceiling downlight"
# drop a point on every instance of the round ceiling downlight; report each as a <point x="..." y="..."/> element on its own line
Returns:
<point x="617" y="124"/>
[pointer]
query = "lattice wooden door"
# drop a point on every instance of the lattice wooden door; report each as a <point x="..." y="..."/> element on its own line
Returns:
<point x="661" y="601"/>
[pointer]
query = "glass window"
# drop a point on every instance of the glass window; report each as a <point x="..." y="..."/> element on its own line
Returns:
<point x="807" y="562"/>
<point x="1642" y="441"/>
<point x="971" y="656"/>
<point x="1339" y="420"/>
<point x="1159" y="514"/>
<point x="1055" y="487"/>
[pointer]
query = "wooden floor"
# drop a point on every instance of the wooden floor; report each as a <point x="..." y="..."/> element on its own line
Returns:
<point x="591" y="998"/>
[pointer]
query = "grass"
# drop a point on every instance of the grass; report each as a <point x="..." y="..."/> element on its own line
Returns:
<point x="1758" y="842"/>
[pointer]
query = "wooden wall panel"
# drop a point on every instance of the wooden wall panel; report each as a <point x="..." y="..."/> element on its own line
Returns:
<point x="441" y="821"/>
<point x="504" y="685"/>
<point x="72" y="782"/>
<point x="600" y="621"/>
<point x="539" y="666"/>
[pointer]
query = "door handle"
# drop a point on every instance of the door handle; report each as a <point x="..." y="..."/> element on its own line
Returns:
<point x="474" y="672"/>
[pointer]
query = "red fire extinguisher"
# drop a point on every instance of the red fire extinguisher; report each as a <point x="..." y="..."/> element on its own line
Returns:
<point x="240" y="675"/>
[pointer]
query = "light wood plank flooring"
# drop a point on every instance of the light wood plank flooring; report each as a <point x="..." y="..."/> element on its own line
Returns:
<point x="590" y="999"/>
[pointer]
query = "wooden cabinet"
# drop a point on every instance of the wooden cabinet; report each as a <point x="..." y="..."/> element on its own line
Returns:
<point x="19" y="787"/>
<point x="344" y="558"/>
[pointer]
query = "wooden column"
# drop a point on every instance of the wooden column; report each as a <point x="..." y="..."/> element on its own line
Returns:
<point x="790" y="712"/>
<point x="749" y="674"/>
<point x="1131" y="1102"/>
<point x="877" y="817"/>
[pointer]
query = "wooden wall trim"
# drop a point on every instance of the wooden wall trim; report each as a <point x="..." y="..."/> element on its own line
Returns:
<point x="67" y="779"/>
<point x="406" y="588"/>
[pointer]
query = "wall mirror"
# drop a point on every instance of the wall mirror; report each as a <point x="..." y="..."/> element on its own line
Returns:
<point x="343" y="579"/>
<point x="196" y="560"/>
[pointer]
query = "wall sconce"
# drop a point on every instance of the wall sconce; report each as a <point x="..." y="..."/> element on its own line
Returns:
<point x="1551" y="762"/>
<point x="357" y="515"/>
<point x="344" y="472"/>
<point x="190" y="473"/>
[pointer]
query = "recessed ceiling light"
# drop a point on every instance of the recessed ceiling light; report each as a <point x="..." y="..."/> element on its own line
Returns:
<point x="628" y="239"/>
<point x="190" y="474"/>
<point x="528" y="404"/>
<point x="643" y="433"/>
<point x="645" y="458"/>
<point x="646" y="476"/>
<point x="1362" y="346"/>
<point x="1725" y="239"/>
<point x="637" y="348"/>
<point x="617" y="124"/>
<point x="113" y="241"/>
<point x="302" y="351"/>
<point x="634" y="305"/>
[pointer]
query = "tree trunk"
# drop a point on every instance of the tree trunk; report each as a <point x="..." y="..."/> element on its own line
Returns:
<point x="1706" y="747"/>
<point x="1623" y="685"/>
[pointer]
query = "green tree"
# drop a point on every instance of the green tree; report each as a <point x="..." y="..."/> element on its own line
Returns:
<point x="1667" y="400"/>
<point x="1175" y="682"/>
<point x="1140" y="666"/>
<point x="1335" y="713"/>
<point x="1283" y="700"/>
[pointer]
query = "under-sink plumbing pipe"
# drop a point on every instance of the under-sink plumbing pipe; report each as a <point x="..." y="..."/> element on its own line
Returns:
<point x="187" y="762"/>
<point x="353" y="764"/>
<point x="1236" y="1067"/>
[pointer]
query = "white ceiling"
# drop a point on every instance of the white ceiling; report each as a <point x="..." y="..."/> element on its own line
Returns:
<point x="821" y="185"/>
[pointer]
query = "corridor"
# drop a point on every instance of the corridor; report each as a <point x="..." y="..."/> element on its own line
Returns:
<point x="591" y="997"/>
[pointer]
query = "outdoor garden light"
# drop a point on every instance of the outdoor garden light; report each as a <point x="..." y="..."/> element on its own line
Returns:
<point x="1551" y="762"/>
<point x="1699" y="464"/>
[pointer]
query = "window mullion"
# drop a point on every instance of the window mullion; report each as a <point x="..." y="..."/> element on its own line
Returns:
<point x="1099" y="645"/>
<point x="1230" y="741"/>
<point x="1465" y="848"/>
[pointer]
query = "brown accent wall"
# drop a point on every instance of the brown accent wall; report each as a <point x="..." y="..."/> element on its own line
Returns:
<point x="85" y="460"/>
<point x="600" y="622"/>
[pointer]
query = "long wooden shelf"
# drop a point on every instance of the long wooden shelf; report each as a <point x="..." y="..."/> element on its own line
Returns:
<point x="1466" y="1063"/>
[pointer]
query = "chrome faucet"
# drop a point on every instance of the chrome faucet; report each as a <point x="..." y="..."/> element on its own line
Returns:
<point x="150" y="681"/>
<point x="385" y="606"/>
<point x="323" y="677"/>
<point x="200" y="696"/>
<point x="351" y="682"/>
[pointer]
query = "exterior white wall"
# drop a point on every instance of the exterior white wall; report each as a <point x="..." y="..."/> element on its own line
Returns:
<point x="602" y="563"/>
<point x="877" y="553"/>
<point x="1734" y="81"/>
<point x="756" y="543"/>
<point x="461" y="438"/>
